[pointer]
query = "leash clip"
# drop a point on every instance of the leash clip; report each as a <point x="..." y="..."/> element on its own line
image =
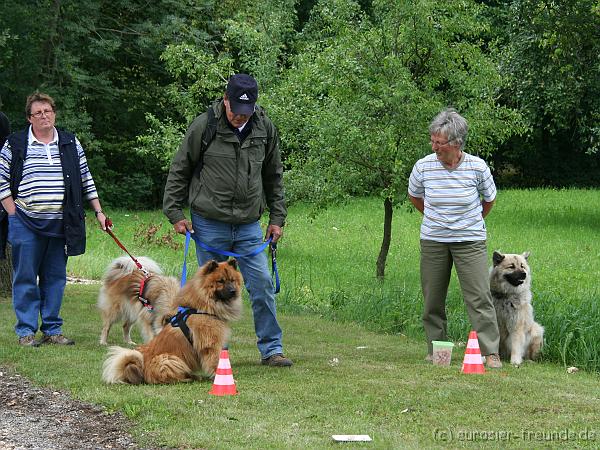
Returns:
<point x="146" y="304"/>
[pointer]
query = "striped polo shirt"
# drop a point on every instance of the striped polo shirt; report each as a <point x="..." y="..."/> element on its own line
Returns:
<point x="452" y="198"/>
<point x="41" y="192"/>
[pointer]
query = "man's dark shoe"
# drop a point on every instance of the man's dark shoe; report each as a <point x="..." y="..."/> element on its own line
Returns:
<point x="56" y="339"/>
<point x="277" y="360"/>
<point x="28" y="341"/>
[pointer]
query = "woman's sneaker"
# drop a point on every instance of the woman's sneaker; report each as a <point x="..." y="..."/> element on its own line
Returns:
<point x="492" y="361"/>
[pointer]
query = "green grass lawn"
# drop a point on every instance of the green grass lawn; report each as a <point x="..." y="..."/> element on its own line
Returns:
<point x="357" y="342"/>
<point x="345" y="380"/>
<point x="327" y="264"/>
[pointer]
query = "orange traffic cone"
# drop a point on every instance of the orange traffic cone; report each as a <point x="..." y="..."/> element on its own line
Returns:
<point x="224" y="383"/>
<point x="472" y="362"/>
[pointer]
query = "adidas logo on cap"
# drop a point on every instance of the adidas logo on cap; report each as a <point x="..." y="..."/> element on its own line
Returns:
<point x="244" y="96"/>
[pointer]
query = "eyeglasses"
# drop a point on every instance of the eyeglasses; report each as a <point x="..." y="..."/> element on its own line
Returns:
<point x="39" y="114"/>
<point x="440" y="144"/>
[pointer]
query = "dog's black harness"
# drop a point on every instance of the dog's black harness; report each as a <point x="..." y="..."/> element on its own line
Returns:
<point x="179" y="321"/>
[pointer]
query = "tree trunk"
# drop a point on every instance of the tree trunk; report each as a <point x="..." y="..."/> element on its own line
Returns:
<point x="6" y="274"/>
<point x="387" y="237"/>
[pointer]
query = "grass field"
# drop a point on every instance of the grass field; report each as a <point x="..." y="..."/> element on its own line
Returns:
<point x="345" y="380"/>
<point x="362" y="373"/>
<point x="327" y="264"/>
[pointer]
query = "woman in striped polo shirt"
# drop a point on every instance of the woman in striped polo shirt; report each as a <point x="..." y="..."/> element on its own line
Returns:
<point x="44" y="180"/>
<point x="454" y="191"/>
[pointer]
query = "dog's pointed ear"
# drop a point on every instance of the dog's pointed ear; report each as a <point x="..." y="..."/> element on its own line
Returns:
<point x="497" y="258"/>
<point x="210" y="266"/>
<point x="526" y="255"/>
<point x="233" y="263"/>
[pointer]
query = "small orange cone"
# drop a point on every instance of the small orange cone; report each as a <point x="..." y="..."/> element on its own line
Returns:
<point x="472" y="362"/>
<point x="224" y="383"/>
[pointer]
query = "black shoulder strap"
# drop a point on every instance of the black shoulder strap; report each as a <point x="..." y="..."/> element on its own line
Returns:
<point x="207" y="137"/>
<point x="179" y="321"/>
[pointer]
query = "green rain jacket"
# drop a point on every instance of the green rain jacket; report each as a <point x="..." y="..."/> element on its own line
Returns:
<point x="237" y="181"/>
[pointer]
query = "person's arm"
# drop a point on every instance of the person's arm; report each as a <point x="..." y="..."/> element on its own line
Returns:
<point x="4" y="128"/>
<point x="486" y="207"/>
<point x="9" y="205"/>
<point x="487" y="190"/>
<point x="180" y="174"/>
<point x="418" y="202"/>
<point x="416" y="191"/>
<point x="272" y="174"/>
<point x="100" y="216"/>
<point x="8" y="202"/>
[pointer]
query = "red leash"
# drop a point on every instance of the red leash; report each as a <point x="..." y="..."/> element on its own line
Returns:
<point x="109" y="225"/>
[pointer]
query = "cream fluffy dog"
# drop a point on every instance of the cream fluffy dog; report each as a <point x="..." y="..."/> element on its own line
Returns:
<point x="510" y="284"/>
<point x="119" y="298"/>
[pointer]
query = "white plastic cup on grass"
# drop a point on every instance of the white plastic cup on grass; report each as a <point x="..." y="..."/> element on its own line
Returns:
<point x="442" y="353"/>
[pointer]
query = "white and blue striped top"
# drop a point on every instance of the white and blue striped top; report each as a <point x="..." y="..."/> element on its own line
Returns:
<point x="42" y="187"/>
<point x="452" y="198"/>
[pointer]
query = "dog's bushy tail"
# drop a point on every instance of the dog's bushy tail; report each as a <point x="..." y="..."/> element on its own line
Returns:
<point x="124" y="265"/>
<point x="123" y="365"/>
<point x="168" y="369"/>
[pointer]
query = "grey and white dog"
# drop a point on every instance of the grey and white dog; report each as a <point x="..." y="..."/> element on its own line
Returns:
<point x="510" y="284"/>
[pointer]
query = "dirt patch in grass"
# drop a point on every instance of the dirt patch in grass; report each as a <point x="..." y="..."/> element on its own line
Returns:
<point x="34" y="418"/>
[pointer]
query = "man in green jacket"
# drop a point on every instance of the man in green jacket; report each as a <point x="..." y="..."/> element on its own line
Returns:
<point x="228" y="185"/>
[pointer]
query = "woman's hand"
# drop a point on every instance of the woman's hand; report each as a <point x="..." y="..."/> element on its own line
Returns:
<point x="101" y="218"/>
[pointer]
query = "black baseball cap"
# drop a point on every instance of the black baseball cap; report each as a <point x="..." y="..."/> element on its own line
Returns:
<point x="242" y="92"/>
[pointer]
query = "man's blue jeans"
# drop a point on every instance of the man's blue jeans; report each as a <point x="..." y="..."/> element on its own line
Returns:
<point x="243" y="239"/>
<point x="39" y="278"/>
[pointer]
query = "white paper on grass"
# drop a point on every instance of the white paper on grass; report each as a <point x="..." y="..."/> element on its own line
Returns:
<point x="351" y="437"/>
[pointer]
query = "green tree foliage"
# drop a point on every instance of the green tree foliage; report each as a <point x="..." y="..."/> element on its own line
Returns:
<point x="551" y="56"/>
<point x="250" y="38"/>
<point x="100" y="60"/>
<point x="353" y="109"/>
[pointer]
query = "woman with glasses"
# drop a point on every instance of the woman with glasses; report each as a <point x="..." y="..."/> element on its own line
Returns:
<point x="454" y="191"/>
<point x="44" y="180"/>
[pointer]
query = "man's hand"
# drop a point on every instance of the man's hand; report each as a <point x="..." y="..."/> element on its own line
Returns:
<point x="183" y="226"/>
<point x="275" y="232"/>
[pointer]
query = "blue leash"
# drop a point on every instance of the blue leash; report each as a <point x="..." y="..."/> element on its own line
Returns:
<point x="179" y="319"/>
<point x="181" y="309"/>
<point x="185" y="253"/>
<point x="273" y="248"/>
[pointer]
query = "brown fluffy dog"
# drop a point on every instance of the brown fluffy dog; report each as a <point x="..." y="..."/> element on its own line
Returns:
<point x="521" y="337"/>
<point x="215" y="292"/>
<point x="119" y="298"/>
